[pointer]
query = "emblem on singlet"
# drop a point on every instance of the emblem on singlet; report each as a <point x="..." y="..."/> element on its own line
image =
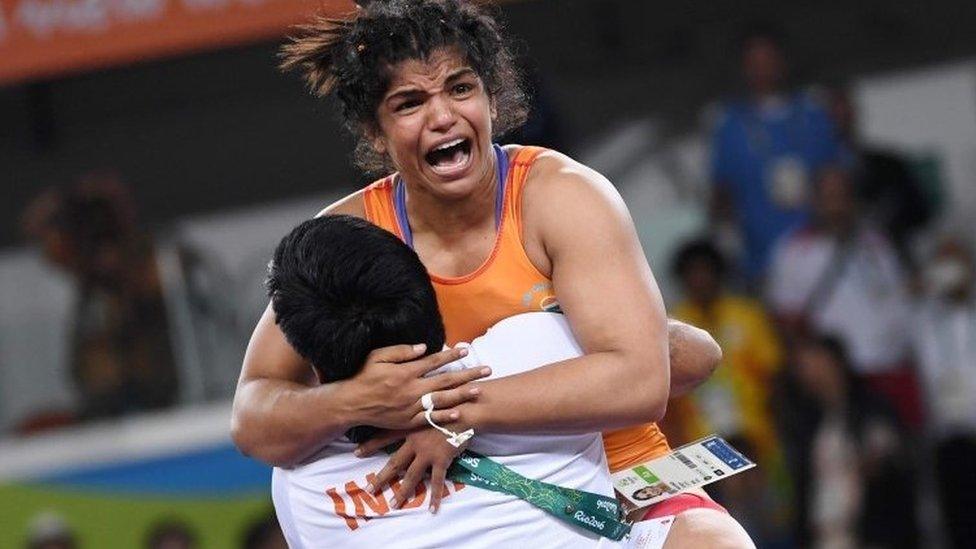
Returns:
<point x="540" y="297"/>
<point x="550" y="305"/>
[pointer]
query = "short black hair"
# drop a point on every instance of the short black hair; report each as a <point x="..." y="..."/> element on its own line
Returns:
<point x="353" y="58"/>
<point x="170" y="529"/>
<point x="341" y="287"/>
<point x="695" y="250"/>
<point x="262" y="532"/>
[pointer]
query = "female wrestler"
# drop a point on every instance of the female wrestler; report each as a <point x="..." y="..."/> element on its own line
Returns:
<point x="425" y="85"/>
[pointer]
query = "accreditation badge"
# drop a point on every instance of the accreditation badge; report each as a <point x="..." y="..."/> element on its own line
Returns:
<point x="693" y="465"/>
<point x="786" y="180"/>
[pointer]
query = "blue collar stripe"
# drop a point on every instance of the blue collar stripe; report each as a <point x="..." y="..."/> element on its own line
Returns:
<point x="400" y="197"/>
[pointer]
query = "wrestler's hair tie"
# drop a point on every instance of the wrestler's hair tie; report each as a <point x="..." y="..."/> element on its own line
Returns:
<point x="454" y="439"/>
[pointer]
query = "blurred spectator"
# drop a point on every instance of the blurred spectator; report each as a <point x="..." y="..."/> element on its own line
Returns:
<point x="853" y="465"/>
<point x="734" y="402"/>
<point x="894" y="198"/>
<point x="265" y="534"/>
<point x="945" y="339"/>
<point x="764" y="148"/>
<point x="171" y="534"/>
<point x="121" y="357"/>
<point x="48" y="530"/>
<point x="838" y="275"/>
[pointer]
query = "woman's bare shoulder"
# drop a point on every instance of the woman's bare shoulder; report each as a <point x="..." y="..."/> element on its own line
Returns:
<point x="555" y="169"/>
<point x="557" y="182"/>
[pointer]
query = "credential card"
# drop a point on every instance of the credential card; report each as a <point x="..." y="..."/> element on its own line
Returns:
<point x="690" y="466"/>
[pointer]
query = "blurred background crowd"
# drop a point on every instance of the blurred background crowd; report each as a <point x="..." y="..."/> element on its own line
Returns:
<point x="802" y="176"/>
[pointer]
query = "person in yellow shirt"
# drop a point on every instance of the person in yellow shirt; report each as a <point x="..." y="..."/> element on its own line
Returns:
<point x="735" y="401"/>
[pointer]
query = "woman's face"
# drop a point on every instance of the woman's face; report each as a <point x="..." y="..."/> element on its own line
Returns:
<point x="649" y="492"/>
<point x="435" y="124"/>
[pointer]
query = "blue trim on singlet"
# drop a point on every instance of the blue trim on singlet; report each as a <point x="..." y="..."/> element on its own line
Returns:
<point x="400" y="197"/>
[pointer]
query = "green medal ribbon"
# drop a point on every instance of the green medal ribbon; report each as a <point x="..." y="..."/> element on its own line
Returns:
<point x="598" y="514"/>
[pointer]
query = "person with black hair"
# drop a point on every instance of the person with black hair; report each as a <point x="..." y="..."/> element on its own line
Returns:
<point x="852" y="457"/>
<point x="264" y="533"/>
<point x="838" y="274"/>
<point x="896" y="200"/>
<point x="380" y="297"/>
<point x="766" y="145"/>
<point x="425" y="85"/>
<point x="171" y="533"/>
<point x="734" y="401"/>
<point x="340" y="287"/>
<point x="737" y="401"/>
<point x="120" y="354"/>
<point x="944" y="340"/>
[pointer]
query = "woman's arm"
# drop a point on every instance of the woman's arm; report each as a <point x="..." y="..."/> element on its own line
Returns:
<point x="281" y="413"/>
<point x="577" y="228"/>
<point x="694" y="356"/>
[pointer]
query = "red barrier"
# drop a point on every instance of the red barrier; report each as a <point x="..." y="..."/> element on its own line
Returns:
<point x="44" y="38"/>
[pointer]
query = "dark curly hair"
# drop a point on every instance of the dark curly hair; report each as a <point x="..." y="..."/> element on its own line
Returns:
<point x="353" y="57"/>
<point x="699" y="249"/>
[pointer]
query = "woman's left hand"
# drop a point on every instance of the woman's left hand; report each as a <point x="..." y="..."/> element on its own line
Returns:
<point x="423" y="450"/>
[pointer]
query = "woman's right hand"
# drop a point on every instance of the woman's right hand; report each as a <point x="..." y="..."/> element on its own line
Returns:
<point x="386" y="392"/>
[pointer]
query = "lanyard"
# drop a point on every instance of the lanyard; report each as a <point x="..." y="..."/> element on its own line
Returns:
<point x="599" y="514"/>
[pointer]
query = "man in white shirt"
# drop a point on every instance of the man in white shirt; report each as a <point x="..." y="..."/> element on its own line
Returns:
<point x="945" y="343"/>
<point x="838" y="276"/>
<point x="325" y="499"/>
<point x="358" y="307"/>
<point x="342" y="287"/>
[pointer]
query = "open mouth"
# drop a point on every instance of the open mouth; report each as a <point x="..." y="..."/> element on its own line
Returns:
<point x="449" y="156"/>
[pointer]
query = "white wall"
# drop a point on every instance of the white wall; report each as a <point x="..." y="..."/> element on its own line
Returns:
<point x="35" y="302"/>
<point x="36" y="307"/>
<point x="929" y="111"/>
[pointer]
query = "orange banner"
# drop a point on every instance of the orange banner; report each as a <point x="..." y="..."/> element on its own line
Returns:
<point x="44" y="38"/>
